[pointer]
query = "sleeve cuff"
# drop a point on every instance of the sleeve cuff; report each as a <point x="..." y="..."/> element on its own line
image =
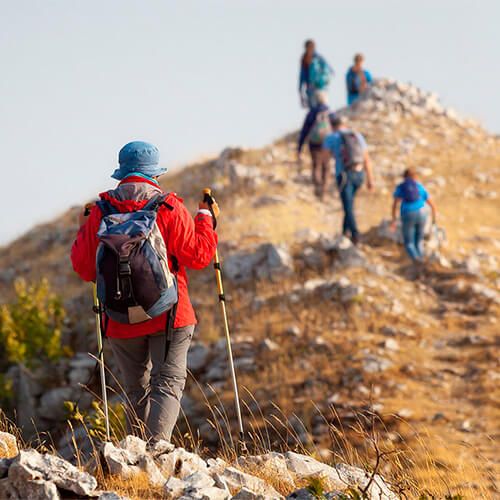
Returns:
<point x="204" y="211"/>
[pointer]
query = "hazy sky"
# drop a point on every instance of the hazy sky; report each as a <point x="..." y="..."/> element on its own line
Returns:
<point x="81" y="78"/>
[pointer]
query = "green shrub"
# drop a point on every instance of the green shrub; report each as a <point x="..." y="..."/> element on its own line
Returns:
<point x="30" y="327"/>
<point x="316" y="486"/>
<point x="94" y="421"/>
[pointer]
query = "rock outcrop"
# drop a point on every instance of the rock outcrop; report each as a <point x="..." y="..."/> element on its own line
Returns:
<point x="181" y="474"/>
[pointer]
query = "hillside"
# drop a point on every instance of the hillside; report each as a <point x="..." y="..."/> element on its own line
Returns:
<point x="337" y="347"/>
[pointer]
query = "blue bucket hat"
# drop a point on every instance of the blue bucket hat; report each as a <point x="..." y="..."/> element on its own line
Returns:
<point x="138" y="157"/>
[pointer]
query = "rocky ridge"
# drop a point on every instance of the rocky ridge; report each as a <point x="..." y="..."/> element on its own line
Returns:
<point x="349" y="328"/>
<point x="180" y="474"/>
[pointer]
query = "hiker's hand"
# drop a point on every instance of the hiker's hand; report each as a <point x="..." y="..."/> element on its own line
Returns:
<point x="370" y="186"/>
<point x="82" y="218"/>
<point x="214" y="207"/>
<point x="393" y="226"/>
<point x="303" y="101"/>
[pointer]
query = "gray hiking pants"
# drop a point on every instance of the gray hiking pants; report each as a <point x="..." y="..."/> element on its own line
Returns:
<point x="153" y="385"/>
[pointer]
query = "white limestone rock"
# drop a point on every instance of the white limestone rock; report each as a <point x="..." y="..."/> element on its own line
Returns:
<point x="31" y="465"/>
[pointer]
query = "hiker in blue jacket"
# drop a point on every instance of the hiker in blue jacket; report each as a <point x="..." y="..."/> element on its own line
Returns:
<point x="315" y="74"/>
<point x="315" y="128"/>
<point x="357" y="79"/>
<point x="413" y="197"/>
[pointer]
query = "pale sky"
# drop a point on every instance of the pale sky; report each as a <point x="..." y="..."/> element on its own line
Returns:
<point x="81" y="78"/>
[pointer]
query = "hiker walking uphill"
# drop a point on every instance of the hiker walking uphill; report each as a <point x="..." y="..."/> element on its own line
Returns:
<point x="357" y="79"/>
<point x="136" y="244"/>
<point x="315" y="129"/>
<point x="315" y="74"/>
<point x="352" y="163"/>
<point x="413" y="197"/>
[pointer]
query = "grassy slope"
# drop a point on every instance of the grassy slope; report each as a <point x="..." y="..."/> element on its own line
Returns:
<point x="427" y="376"/>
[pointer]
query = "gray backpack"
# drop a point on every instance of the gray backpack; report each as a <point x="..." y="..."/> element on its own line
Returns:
<point x="134" y="282"/>
<point x="321" y="127"/>
<point x="351" y="150"/>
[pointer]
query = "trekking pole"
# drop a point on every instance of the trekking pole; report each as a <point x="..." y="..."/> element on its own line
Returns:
<point x="208" y="199"/>
<point x="98" y="312"/>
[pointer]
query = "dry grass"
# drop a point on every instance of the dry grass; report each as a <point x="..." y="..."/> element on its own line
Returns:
<point x="136" y="487"/>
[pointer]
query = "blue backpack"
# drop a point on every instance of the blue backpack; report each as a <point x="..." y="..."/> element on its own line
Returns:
<point x="320" y="73"/>
<point x="410" y="191"/>
<point x="134" y="282"/>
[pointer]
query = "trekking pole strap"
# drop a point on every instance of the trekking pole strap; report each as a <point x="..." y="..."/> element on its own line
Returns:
<point x="209" y="200"/>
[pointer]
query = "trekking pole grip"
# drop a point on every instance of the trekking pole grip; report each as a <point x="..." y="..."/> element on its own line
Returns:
<point x="209" y="200"/>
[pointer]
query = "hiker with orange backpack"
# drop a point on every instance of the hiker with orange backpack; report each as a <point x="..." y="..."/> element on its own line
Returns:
<point x="136" y="243"/>
<point x="315" y="129"/>
<point x="349" y="150"/>
<point x="413" y="198"/>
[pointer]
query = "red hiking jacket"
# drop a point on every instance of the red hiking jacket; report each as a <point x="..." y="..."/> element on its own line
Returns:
<point x="192" y="242"/>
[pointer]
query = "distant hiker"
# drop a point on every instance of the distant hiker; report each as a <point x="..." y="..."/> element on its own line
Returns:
<point x="151" y="353"/>
<point x="352" y="162"/>
<point x="315" y="74"/>
<point x="413" y="198"/>
<point x="357" y="79"/>
<point x="315" y="129"/>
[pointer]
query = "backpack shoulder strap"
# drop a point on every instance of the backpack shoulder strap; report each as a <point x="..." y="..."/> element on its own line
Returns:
<point x="156" y="202"/>
<point x="349" y="134"/>
<point x="106" y="207"/>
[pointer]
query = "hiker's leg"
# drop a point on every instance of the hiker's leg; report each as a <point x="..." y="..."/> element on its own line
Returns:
<point x="132" y="358"/>
<point x="315" y="159"/>
<point x="168" y="378"/>
<point x="409" y="230"/>
<point x="345" y="190"/>
<point x="419" y="234"/>
<point x="356" y="181"/>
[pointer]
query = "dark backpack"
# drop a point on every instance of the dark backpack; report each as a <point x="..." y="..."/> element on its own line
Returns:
<point x="351" y="150"/>
<point x="134" y="282"/>
<point x="410" y="191"/>
<point x="353" y="83"/>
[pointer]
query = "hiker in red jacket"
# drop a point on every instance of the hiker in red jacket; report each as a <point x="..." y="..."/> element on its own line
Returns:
<point x="153" y="378"/>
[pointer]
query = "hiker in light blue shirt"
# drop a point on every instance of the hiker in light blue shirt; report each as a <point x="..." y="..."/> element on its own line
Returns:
<point x="357" y="79"/>
<point x="352" y="162"/>
<point x="413" y="197"/>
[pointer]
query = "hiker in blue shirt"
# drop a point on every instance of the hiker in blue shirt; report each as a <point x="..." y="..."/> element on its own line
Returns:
<point x="413" y="198"/>
<point x="315" y="128"/>
<point x="352" y="162"/>
<point x="315" y="74"/>
<point x="357" y="79"/>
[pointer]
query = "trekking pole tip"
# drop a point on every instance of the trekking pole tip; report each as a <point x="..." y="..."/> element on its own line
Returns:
<point x="242" y="446"/>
